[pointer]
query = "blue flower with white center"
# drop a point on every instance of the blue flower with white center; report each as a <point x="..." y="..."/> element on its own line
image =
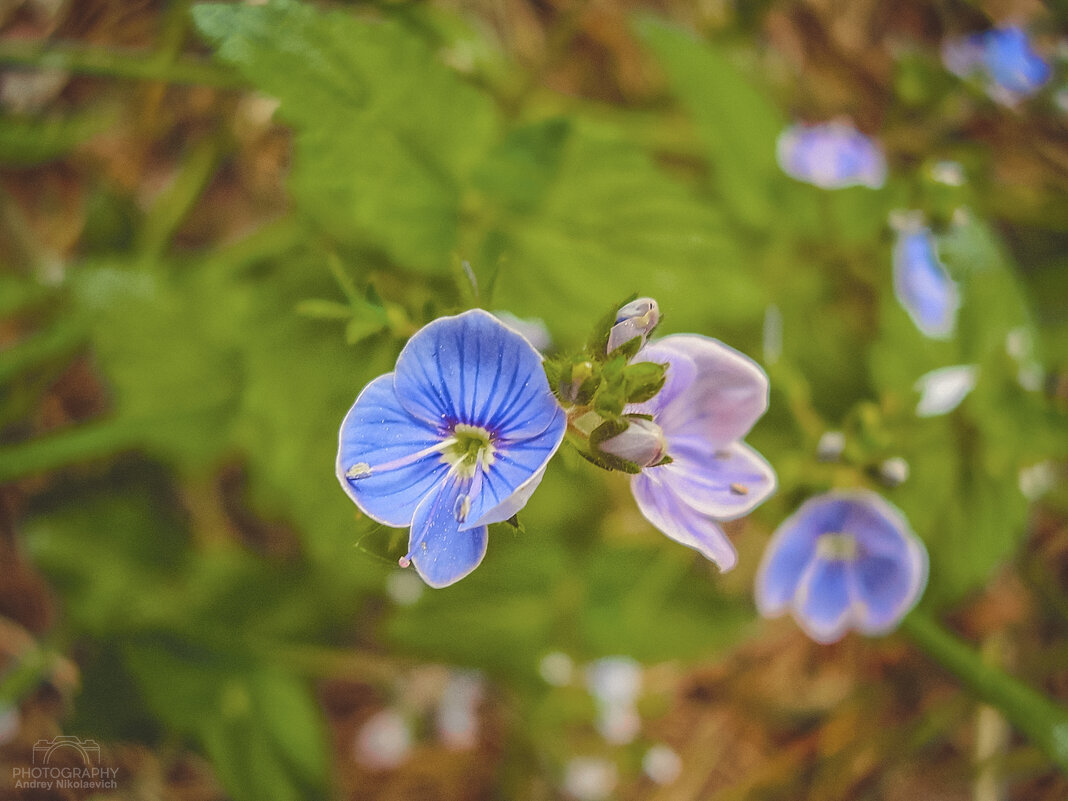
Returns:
<point x="456" y="438"/>
<point x="922" y="283"/>
<point x="844" y="560"/>
<point x="1004" y="57"/>
<point x="831" y="155"/>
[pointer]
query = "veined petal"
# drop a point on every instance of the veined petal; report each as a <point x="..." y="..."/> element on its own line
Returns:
<point x="440" y="551"/>
<point x="669" y="513"/>
<point x="473" y="369"/>
<point x="727" y="396"/>
<point x="726" y="483"/>
<point x="377" y="430"/>
<point x="825" y="600"/>
<point x="516" y="471"/>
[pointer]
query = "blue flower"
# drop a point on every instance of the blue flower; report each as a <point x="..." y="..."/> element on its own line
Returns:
<point x="844" y="560"/>
<point x="456" y="438"/>
<point x="712" y="396"/>
<point x="1004" y="56"/>
<point x="922" y="284"/>
<point x="831" y="155"/>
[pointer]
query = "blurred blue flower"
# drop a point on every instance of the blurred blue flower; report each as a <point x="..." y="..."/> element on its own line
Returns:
<point x="831" y="155"/>
<point x="456" y="438"/>
<point x="1004" y="56"/>
<point x="712" y="396"/>
<point x="922" y="284"/>
<point x="844" y="560"/>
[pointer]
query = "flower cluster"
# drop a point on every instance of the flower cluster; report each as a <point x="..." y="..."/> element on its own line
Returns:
<point x="460" y="434"/>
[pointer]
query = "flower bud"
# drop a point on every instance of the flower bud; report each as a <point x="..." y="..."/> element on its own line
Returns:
<point x="637" y="319"/>
<point x="642" y="443"/>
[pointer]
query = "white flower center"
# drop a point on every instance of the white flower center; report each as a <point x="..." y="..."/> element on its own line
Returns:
<point x="468" y="448"/>
<point x="837" y="546"/>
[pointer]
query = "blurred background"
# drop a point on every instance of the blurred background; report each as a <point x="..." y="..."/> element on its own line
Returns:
<point x="218" y="223"/>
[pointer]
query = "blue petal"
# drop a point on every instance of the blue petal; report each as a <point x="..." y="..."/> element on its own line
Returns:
<point x="660" y="505"/>
<point x="922" y="285"/>
<point x="473" y="369"/>
<point x="889" y="588"/>
<point x="1012" y="62"/>
<point x="785" y="560"/>
<point x="825" y="600"/>
<point x="441" y="553"/>
<point x="378" y="430"/>
<point x="514" y="475"/>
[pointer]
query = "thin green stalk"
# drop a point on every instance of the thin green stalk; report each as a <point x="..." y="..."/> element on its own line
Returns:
<point x="1044" y="722"/>
<point x="57" y="341"/>
<point x="69" y="446"/>
<point x="117" y="63"/>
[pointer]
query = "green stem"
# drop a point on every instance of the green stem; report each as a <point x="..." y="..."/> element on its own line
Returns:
<point x="117" y="63"/>
<point x="1040" y="719"/>
<point x="69" y="446"/>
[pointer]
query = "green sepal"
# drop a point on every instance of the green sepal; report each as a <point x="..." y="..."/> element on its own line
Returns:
<point x="643" y="380"/>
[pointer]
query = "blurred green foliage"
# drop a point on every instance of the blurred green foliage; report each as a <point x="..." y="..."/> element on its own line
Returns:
<point x="247" y="356"/>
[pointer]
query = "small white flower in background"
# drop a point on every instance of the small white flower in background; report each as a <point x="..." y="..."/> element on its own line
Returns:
<point x="948" y="173"/>
<point x="457" y="715"/>
<point x="942" y="390"/>
<point x="404" y="588"/>
<point x="590" y="778"/>
<point x="894" y="471"/>
<point x="830" y="446"/>
<point x="662" y="764"/>
<point x="615" y="682"/>
<point x="1036" y="480"/>
<point x="556" y="668"/>
<point x="384" y="741"/>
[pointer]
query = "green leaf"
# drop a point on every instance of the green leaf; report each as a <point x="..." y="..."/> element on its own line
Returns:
<point x="29" y="142"/>
<point x="737" y="123"/>
<point x="382" y="150"/>
<point x="519" y="171"/>
<point x="612" y="223"/>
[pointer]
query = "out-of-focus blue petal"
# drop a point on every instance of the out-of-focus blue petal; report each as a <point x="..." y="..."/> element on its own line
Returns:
<point x="516" y="471"/>
<point x="665" y="510"/>
<point x="726" y="483"/>
<point x="439" y="550"/>
<point x="378" y="430"/>
<point x="788" y="555"/>
<point x="727" y="395"/>
<point x="832" y="155"/>
<point x="473" y="369"/>
<point x="889" y="588"/>
<point x="923" y="286"/>
<point x="1012" y="63"/>
<point x="825" y="600"/>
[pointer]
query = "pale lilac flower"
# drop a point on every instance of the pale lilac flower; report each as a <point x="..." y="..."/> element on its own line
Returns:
<point x="636" y="319"/>
<point x="642" y="443"/>
<point x="711" y="397"/>
<point x="831" y="155"/>
<point x="922" y="283"/>
<point x="1004" y="57"/>
<point x="942" y="390"/>
<point x="456" y="438"/>
<point x="844" y="560"/>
